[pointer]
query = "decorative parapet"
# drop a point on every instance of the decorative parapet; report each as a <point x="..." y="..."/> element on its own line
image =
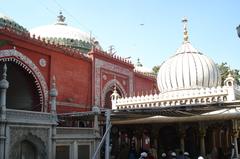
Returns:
<point x="46" y="43"/>
<point x="146" y="74"/>
<point x="29" y="117"/>
<point x="72" y="43"/>
<point x="112" y="56"/>
<point x="13" y="25"/>
<point x="176" y="98"/>
<point x="75" y="133"/>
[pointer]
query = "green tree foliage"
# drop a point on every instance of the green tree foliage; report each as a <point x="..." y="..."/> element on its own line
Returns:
<point x="155" y="69"/>
<point x="225" y="70"/>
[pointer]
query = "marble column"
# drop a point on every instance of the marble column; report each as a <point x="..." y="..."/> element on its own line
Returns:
<point x="202" y="134"/>
<point x="235" y="136"/>
<point x="53" y="94"/>
<point x="182" y="133"/>
<point x="3" y="91"/>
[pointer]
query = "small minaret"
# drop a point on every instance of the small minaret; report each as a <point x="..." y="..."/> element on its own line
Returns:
<point x="185" y="31"/>
<point x="3" y="88"/>
<point x="53" y="94"/>
<point x="230" y="83"/>
<point x="114" y="97"/>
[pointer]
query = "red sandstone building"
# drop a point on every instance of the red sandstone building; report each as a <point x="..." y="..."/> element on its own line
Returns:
<point x="85" y="77"/>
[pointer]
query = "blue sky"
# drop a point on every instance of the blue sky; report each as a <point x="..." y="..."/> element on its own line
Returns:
<point x="212" y="25"/>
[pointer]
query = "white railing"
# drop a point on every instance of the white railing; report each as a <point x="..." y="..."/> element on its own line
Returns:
<point x="183" y="97"/>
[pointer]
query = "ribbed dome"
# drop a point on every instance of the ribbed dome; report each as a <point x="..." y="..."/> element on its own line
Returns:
<point x="187" y="69"/>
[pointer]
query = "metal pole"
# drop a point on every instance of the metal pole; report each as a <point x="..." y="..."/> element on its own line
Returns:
<point x="100" y="144"/>
<point x="107" y="142"/>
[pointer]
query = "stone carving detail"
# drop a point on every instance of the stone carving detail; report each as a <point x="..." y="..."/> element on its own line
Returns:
<point x="38" y="136"/>
<point x="104" y="77"/>
<point x="19" y="116"/>
<point x="111" y="67"/>
<point x="43" y="62"/>
<point x="26" y="63"/>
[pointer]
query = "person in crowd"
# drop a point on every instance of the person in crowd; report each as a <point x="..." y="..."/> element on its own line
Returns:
<point x="143" y="155"/>
<point x="200" y="157"/>
<point x="180" y="155"/>
<point x="124" y="151"/>
<point x="186" y="155"/>
<point x="164" y="155"/>
<point x="174" y="155"/>
<point x="153" y="152"/>
<point x="132" y="152"/>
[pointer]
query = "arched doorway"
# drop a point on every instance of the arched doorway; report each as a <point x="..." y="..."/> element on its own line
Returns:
<point x="22" y="93"/>
<point x="108" y="102"/>
<point x="28" y="146"/>
<point x="27" y="150"/>
<point x="108" y="90"/>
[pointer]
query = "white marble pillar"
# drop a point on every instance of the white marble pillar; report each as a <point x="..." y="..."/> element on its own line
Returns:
<point x="235" y="136"/>
<point x="3" y="91"/>
<point x="202" y="133"/>
<point x="182" y="133"/>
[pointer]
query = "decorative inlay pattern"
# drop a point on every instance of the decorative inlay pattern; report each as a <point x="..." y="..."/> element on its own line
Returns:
<point x="111" y="67"/>
<point x="42" y="62"/>
<point x="107" y="88"/>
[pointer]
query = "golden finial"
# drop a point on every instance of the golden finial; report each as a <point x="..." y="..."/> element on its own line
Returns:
<point x="185" y="31"/>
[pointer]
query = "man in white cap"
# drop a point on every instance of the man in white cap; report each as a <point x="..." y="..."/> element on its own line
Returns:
<point x="186" y="155"/>
<point x="143" y="155"/>
<point x="200" y="157"/>
<point x="173" y="155"/>
<point x="164" y="155"/>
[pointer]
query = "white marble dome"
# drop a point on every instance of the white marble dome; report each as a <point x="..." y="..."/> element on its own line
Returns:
<point x="61" y="30"/>
<point x="187" y="69"/>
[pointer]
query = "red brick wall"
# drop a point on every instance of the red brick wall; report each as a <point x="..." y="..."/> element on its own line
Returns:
<point x="144" y="84"/>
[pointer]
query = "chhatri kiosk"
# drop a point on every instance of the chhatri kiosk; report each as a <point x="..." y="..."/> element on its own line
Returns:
<point x="192" y="112"/>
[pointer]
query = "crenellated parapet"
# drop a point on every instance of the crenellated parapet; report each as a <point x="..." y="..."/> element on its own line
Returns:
<point x="115" y="57"/>
<point x="176" y="98"/>
<point x="7" y="22"/>
<point x="43" y="42"/>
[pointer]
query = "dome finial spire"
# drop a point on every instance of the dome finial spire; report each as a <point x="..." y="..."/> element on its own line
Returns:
<point x="61" y="19"/>
<point x="185" y="31"/>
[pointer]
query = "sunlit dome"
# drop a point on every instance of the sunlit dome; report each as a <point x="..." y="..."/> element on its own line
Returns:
<point x="187" y="69"/>
<point x="66" y="35"/>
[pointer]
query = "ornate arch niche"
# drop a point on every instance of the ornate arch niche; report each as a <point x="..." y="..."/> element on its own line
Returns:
<point x="18" y="62"/>
<point x="30" y="146"/>
<point x="107" y="91"/>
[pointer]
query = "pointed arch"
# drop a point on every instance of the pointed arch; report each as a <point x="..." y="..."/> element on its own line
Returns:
<point x="32" y="143"/>
<point x="28" y="65"/>
<point x="109" y="87"/>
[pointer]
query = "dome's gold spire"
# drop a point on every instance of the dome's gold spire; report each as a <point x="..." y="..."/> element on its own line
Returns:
<point x="185" y="31"/>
